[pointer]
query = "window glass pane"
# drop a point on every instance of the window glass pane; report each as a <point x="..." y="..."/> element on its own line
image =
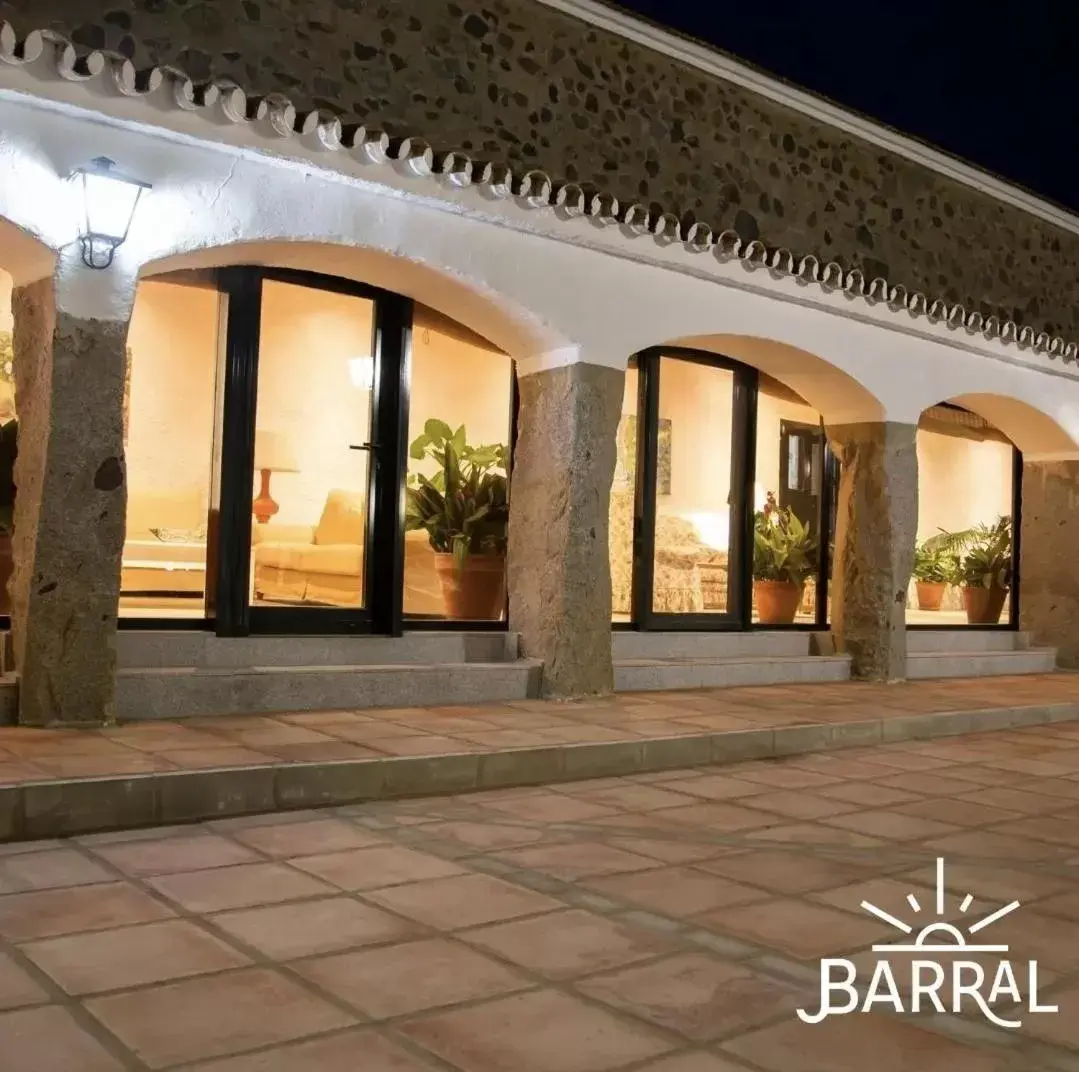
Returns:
<point x="8" y="428"/>
<point x="789" y="477"/>
<point x="964" y="487"/>
<point x="314" y="406"/>
<point x="169" y="391"/>
<point x="693" y="488"/>
<point x="459" y="381"/>
<point x="621" y="508"/>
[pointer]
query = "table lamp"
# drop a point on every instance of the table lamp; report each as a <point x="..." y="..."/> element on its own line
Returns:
<point x="272" y="455"/>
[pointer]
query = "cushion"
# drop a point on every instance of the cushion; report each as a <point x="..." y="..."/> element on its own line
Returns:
<point x="343" y="518"/>
<point x="345" y="560"/>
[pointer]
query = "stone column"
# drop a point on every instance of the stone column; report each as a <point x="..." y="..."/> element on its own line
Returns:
<point x="876" y="528"/>
<point x="559" y="565"/>
<point x="70" y="508"/>
<point x="1048" y="561"/>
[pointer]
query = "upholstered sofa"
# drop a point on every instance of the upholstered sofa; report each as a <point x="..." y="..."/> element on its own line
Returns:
<point x="165" y="541"/>
<point x="325" y="563"/>
<point x="688" y="575"/>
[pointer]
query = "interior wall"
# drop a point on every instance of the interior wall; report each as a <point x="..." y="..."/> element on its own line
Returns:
<point x="172" y="341"/>
<point x="961" y="482"/>
<point x="458" y="382"/>
<point x="5" y="301"/>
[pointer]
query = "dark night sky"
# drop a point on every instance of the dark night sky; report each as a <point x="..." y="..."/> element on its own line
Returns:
<point x="997" y="85"/>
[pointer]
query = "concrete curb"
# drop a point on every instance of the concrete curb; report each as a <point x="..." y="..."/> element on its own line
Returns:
<point x="60" y="808"/>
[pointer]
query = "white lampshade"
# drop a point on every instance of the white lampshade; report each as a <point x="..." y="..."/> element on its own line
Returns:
<point x="272" y="451"/>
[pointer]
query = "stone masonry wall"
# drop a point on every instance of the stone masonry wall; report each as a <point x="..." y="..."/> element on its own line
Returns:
<point x="516" y="82"/>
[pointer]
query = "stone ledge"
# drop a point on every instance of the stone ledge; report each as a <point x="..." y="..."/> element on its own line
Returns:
<point x="65" y="807"/>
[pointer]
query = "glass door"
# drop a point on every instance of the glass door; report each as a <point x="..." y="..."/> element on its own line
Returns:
<point x="313" y="431"/>
<point x="692" y="508"/>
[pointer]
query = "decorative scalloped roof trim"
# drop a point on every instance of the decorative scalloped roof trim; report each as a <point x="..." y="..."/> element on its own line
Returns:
<point x="48" y="55"/>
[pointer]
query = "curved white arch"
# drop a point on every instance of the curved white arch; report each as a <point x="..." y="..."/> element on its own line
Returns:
<point x="497" y="318"/>
<point x="23" y="256"/>
<point x="836" y="394"/>
<point x="1030" y="428"/>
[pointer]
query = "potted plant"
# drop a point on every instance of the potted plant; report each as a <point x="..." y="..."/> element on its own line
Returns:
<point x="464" y="508"/>
<point x="934" y="567"/>
<point x="783" y="557"/>
<point x="983" y="567"/>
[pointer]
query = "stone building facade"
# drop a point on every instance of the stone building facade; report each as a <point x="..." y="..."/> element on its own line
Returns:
<point x="648" y="285"/>
<point x="514" y="81"/>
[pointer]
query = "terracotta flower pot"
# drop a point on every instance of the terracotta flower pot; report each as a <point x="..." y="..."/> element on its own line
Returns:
<point x="777" y="601"/>
<point x="477" y="591"/>
<point x="984" y="605"/>
<point x="930" y="594"/>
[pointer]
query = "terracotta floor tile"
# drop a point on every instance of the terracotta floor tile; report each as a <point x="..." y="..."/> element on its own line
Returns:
<point x="675" y="891"/>
<point x="462" y="901"/>
<point x="1062" y="1028"/>
<point x="801" y="929"/>
<point x="671" y="851"/>
<point x="491" y="835"/>
<point x="358" y="1050"/>
<point x="306" y="838"/>
<point x="223" y="1014"/>
<point x="715" y="786"/>
<point x="126" y="762"/>
<point x="812" y="834"/>
<point x="799" y="804"/>
<point x="48" y="1039"/>
<point x="641" y="797"/>
<point x="892" y="825"/>
<point x="1014" y="799"/>
<point x="16" y="987"/>
<point x="310" y="928"/>
<point x="578" y="859"/>
<point x="697" y="996"/>
<point x="694" y="1062"/>
<point x="992" y="847"/>
<point x="720" y="817"/>
<point x="272" y="733"/>
<point x="989" y="882"/>
<point x="856" y="1043"/>
<point x="49" y="870"/>
<point x="398" y="980"/>
<point x="240" y="886"/>
<point x="131" y="956"/>
<point x="367" y="869"/>
<point x="868" y="794"/>
<point x="786" y="776"/>
<point x="564" y="945"/>
<point x="82" y="908"/>
<point x="543" y="1031"/>
<point x="328" y="751"/>
<point x="1058" y="829"/>
<point x="422" y="744"/>
<point x="551" y="808"/>
<point x="955" y="812"/>
<point x="185" y="852"/>
<point x="928" y="783"/>
<point x="215" y="758"/>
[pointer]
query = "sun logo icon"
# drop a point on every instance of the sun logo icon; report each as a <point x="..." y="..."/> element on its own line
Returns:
<point x="939" y="936"/>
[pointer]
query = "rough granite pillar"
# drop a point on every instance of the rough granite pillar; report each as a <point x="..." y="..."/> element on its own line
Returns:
<point x="70" y="507"/>
<point x="1048" y="559"/>
<point x="559" y="565"/>
<point x="876" y="528"/>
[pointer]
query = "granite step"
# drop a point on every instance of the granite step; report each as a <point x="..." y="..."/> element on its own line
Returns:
<point x="653" y="675"/>
<point x="940" y="664"/>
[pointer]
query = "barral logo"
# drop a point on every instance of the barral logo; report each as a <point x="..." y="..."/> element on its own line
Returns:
<point x="946" y="961"/>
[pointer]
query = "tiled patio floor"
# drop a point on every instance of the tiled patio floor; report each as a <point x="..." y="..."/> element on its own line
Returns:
<point x="656" y="923"/>
<point x="30" y="755"/>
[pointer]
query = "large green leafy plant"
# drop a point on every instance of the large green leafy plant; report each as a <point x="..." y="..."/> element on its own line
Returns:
<point x="783" y="547"/>
<point x="934" y="564"/>
<point x="464" y="505"/>
<point x="982" y="555"/>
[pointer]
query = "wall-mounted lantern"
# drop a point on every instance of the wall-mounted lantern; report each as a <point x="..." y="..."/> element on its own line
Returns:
<point x="109" y="198"/>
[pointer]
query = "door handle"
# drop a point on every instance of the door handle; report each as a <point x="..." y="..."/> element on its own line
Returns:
<point x="363" y="446"/>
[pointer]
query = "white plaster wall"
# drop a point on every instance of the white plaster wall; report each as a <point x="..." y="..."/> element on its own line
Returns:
<point x="547" y="289"/>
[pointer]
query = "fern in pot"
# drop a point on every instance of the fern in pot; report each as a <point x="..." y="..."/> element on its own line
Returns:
<point x="784" y="556"/>
<point x="983" y="567"/>
<point x="464" y="509"/>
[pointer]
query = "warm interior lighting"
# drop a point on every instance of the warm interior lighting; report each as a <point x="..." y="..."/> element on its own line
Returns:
<point x="109" y="199"/>
<point x="714" y="529"/>
<point x="361" y="371"/>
